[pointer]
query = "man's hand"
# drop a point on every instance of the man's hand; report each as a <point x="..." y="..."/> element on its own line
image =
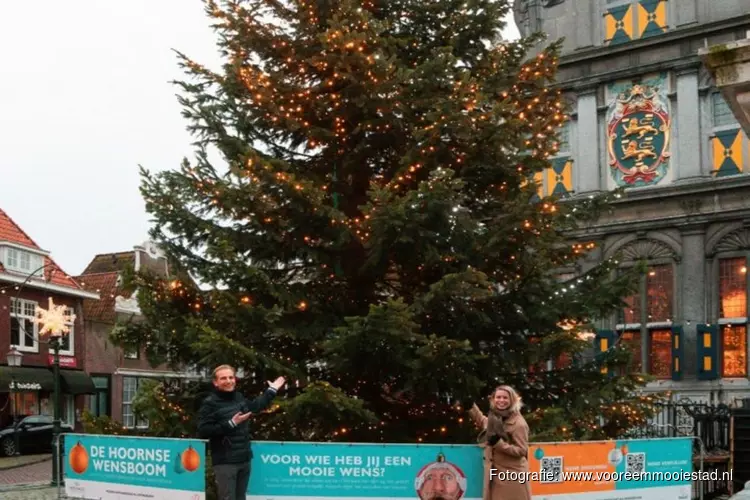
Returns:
<point x="278" y="383"/>
<point x="240" y="417"/>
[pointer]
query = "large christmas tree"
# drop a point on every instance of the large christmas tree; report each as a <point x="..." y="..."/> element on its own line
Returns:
<point x="360" y="216"/>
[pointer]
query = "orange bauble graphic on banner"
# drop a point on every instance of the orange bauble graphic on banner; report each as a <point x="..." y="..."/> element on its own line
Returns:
<point x="79" y="459"/>
<point x="190" y="459"/>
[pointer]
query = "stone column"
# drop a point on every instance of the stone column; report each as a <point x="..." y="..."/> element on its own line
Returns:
<point x="688" y="125"/>
<point x="584" y="20"/>
<point x="586" y="164"/>
<point x="692" y="289"/>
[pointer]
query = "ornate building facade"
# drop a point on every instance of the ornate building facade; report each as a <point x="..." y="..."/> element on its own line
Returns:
<point x="646" y="115"/>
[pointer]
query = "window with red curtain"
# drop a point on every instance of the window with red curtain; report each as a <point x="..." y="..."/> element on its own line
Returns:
<point x="660" y="292"/>
<point x="734" y="351"/>
<point x="733" y="288"/>
<point x="660" y="354"/>
<point x="660" y="286"/>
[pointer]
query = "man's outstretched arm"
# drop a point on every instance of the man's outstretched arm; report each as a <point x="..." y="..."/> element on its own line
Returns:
<point x="262" y="402"/>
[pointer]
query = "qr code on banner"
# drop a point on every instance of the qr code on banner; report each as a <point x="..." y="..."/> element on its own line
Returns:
<point x="551" y="470"/>
<point x="635" y="463"/>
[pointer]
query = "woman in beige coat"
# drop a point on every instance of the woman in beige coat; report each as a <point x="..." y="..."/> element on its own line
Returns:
<point x="505" y="439"/>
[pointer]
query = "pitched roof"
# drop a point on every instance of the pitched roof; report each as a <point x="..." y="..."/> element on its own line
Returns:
<point x="101" y="276"/>
<point x="105" y="284"/>
<point x="110" y="262"/>
<point x="12" y="232"/>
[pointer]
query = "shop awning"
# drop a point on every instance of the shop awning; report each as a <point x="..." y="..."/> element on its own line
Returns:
<point x="27" y="378"/>
<point x="76" y="382"/>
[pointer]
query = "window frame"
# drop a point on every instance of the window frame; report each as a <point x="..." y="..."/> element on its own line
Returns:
<point x="568" y="154"/>
<point x="36" y="261"/>
<point x="101" y="393"/>
<point x="128" y="353"/>
<point x="715" y="130"/>
<point x="68" y="410"/>
<point x="21" y="346"/>
<point x="138" y="423"/>
<point x="646" y="329"/>
<point x="712" y="105"/>
<point x="27" y="400"/>
<point x="71" y="351"/>
<point x="642" y="287"/>
<point x="566" y="129"/>
<point x="722" y="322"/>
<point x="670" y="374"/>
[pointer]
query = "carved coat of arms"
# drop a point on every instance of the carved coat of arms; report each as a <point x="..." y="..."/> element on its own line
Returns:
<point x="638" y="133"/>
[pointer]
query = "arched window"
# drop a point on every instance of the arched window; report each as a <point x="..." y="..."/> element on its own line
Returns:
<point x="647" y="325"/>
<point x="723" y="344"/>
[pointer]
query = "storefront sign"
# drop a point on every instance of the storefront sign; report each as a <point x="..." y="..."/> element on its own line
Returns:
<point x="356" y="471"/>
<point x="114" y="467"/>
<point x="65" y="361"/>
<point x="24" y="386"/>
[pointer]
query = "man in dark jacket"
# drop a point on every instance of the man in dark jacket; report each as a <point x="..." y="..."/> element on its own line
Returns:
<point x="224" y="422"/>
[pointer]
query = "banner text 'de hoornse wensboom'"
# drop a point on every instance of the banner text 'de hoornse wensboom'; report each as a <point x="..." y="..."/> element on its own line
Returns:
<point x="109" y="467"/>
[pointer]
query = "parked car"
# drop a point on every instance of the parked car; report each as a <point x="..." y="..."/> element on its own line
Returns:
<point x="34" y="435"/>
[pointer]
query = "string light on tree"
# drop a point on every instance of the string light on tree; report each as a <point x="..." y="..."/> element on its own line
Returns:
<point x="380" y="215"/>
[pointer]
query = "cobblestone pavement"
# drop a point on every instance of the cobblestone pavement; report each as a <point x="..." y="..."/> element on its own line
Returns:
<point x="32" y="494"/>
<point x="29" y="482"/>
<point x="35" y="473"/>
<point x="13" y="462"/>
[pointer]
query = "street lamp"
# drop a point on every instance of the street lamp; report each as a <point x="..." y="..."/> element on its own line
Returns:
<point x="14" y="360"/>
<point x="54" y="322"/>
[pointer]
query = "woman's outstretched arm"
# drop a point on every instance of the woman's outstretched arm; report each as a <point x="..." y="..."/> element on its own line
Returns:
<point x="479" y="419"/>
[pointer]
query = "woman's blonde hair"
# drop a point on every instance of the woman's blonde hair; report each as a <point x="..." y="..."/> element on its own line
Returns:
<point x="515" y="398"/>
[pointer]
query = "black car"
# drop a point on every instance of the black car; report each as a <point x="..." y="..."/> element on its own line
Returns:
<point x="34" y="435"/>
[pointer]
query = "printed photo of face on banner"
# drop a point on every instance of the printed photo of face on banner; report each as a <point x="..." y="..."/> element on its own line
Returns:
<point x="440" y="480"/>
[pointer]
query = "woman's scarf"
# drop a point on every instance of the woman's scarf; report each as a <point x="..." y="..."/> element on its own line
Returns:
<point x="495" y="425"/>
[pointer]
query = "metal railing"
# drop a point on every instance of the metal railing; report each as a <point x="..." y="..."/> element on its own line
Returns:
<point x="709" y="426"/>
<point x="710" y="423"/>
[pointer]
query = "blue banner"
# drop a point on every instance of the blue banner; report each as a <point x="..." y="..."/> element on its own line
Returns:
<point x="653" y="463"/>
<point x="360" y="471"/>
<point x="109" y="467"/>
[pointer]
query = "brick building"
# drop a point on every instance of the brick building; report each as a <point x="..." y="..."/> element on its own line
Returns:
<point x="117" y="373"/>
<point x="29" y="277"/>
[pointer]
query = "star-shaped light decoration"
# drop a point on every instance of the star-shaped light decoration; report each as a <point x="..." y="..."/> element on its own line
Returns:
<point x="586" y="336"/>
<point x="53" y="321"/>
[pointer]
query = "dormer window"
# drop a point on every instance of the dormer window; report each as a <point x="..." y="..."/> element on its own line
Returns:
<point x="22" y="261"/>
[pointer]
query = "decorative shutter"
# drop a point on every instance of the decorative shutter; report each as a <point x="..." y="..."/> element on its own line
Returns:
<point x="605" y="339"/>
<point x="677" y="351"/>
<point x="708" y="351"/>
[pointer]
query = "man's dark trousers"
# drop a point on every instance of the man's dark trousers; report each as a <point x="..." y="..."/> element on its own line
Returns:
<point x="232" y="480"/>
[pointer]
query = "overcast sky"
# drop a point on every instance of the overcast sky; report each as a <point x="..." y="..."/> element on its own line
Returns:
<point x="86" y="99"/>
